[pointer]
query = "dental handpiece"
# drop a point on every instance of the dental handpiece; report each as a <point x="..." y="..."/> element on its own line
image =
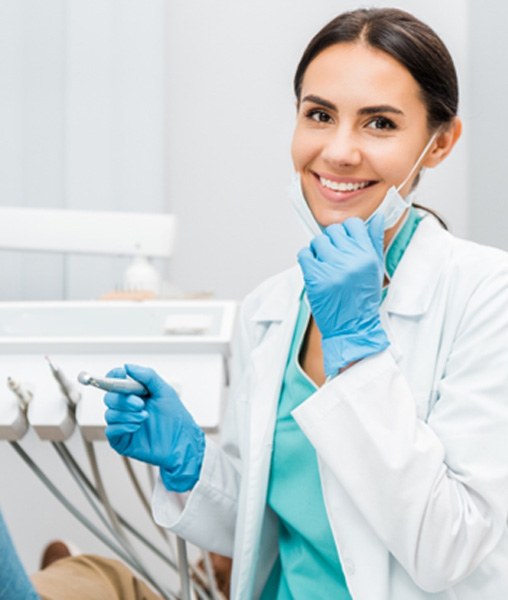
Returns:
<point x="71" y="395"/>
<point x="24" y="396"/>
<point x="111" y="384"/>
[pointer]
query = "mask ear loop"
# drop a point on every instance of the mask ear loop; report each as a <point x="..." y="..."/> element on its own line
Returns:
<point x="398" y="188"/>
<point x="422" y="154"/>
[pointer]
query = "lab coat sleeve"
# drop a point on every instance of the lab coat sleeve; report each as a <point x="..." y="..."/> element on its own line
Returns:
<point x="436" y="492"/>
<point x="206" y="516"/>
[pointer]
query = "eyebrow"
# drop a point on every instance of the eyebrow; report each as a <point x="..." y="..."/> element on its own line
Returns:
<point x="382" y="108"/>
<point x="320" y="101"/>
<point x="367" y="110"/>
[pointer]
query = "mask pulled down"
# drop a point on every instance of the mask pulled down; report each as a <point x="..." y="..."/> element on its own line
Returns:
<point x="392" y="206"/>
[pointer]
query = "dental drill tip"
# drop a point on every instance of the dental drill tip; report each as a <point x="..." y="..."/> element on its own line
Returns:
<point x="51" y="365"/>
<point x="111" y="384"/>
<point x="84" y="378"/>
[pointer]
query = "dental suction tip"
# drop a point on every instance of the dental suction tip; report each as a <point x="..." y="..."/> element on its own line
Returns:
<point x="84" y="378"/>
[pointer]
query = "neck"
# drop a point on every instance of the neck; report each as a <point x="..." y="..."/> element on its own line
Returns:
<point x="392" y="232"/>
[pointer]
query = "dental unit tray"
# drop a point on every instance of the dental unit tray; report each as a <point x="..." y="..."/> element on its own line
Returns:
<point x="187" y="342"/>
<point x="196" y="326"/>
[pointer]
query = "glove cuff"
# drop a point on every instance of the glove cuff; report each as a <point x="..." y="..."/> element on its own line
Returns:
<point x="339" y="351"/>
<point x="183" y="474"/>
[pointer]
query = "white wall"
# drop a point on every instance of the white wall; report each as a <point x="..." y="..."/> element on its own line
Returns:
<point x="82" y="114"/>
<point x="230" y="119"/>
<point x="180" y="106"/>
<point x="488" y="91"/>
<point x="32" y="50"/>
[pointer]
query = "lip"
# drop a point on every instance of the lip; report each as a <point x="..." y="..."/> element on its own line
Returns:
<point x="340" y="197"/>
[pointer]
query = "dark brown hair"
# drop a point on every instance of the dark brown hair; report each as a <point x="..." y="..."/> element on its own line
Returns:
<point x="410" y="42"/>
<point x="405" y="38"/>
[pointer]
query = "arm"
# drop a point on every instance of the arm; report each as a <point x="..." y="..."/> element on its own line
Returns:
<point x="435" y="493"/>
<point x="206" y="516"/>
<point x="201" y="505"/>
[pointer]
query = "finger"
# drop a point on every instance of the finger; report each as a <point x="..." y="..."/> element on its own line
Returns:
<point x="127" y="403"/>
<point x="376" y="231"/>
<point x="341" y="238"/>
<point x="305" y="253"/>
<point x="323" y="249"/>
<point x="154" y="383"/>
<point x="115" y="433"/>
<point x="117" y="373"/>
<point x="336" y="233"/>
<point x="148" y="377"/>
<point x="311" y="267"/>
<point x="118" y="417"/>
<point x="306" y="259"/>
<point x="357" y="230"/>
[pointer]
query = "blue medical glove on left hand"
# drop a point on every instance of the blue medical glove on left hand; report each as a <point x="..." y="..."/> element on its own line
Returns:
<point x="343" y="272"/>
<point x="156" y="429"/>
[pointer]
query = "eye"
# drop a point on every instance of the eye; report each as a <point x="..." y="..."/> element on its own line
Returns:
<point x="381" y="124"/>
<point x="318" y="115"/>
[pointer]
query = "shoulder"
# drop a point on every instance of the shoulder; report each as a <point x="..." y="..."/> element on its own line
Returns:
<point x="472" y="282"/>
<point x="485" y="259"/>
<point x="274" y="293"/>
<point x="270" y="302"/>
<point x="461" y="256"/>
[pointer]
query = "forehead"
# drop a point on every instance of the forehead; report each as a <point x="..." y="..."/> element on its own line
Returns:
<point x="355" y="72"/>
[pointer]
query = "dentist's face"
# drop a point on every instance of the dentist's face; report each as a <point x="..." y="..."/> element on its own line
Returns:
<point x="361" y="126"/>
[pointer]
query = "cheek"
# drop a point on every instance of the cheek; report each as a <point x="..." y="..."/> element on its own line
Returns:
<point x="389" y="163"/>
<point x="302" y="149"/>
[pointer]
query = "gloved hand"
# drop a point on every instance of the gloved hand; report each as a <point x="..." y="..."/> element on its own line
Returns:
<point x="156" y="429"/>
<point x="343" y="272"/>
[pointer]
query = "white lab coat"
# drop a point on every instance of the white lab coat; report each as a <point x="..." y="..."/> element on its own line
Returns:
<point x="412" y="443"/>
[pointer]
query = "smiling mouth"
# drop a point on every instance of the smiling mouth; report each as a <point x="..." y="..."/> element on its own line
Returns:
<point x="342" y="186"/>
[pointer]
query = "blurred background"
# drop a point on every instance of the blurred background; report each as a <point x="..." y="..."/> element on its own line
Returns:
<point x="187" y="108"/>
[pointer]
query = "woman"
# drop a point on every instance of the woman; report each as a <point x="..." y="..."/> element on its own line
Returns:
<point x="365" y="450"/>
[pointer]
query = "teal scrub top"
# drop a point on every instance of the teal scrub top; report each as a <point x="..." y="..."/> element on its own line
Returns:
<point x="308" y="565"/>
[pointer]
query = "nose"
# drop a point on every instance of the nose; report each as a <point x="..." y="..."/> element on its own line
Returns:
<point x="342" y="148"/>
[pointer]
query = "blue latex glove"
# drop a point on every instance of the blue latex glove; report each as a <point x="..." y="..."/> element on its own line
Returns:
<point x="156" y="429"/>
<point x="343" y="272"/>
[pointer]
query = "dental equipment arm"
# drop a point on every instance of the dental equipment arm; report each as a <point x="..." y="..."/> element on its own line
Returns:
<point x="88" y="488"/>
<point x="70" y="394"/>
<point x="24" y="396"/>
<point x="77" y="513"/>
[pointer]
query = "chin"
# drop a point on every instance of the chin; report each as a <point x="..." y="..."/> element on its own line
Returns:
<point x="334" y="219"/>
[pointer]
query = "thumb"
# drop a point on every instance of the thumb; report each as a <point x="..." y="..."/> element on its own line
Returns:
<point x="148" y="377"/>
<point x="376" y="229"/>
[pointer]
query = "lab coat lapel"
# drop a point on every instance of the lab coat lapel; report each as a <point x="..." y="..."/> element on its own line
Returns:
<point x="415" y="280"/>
<point x="418" y="274"/>
<point x="277" y="316"/>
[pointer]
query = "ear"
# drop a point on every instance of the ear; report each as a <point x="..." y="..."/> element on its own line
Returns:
<point x="443" y="144"/>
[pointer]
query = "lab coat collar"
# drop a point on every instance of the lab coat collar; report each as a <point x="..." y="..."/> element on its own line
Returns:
<point x="409" y="294"/>
<point x="419" y="271"/>
<point x="280" y="298"/>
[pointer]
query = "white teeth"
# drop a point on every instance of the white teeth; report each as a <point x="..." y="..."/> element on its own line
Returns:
<point x="342" y="187"/>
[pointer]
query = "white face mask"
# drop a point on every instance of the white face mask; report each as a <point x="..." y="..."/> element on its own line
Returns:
<point x="311" y="226"/>
<point x="392" y="206"/>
